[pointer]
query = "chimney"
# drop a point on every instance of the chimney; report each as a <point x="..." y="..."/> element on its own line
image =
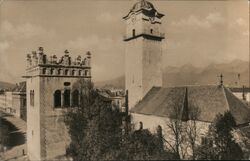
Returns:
<point x="238" y="80"/>
<point x="243" y="93"/>
<point x="126" y="103"/>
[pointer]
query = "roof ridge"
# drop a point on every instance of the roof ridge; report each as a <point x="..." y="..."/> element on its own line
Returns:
<point x="224" y="94"/>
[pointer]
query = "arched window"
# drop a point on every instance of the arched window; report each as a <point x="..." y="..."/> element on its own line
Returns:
<point x="66" y="98"/>
<point x="51" y="71"/>
<point x="57" y="98"/>
<point x="44" y="70"/>
<point x="141" y="125"/>
<point x="66" y="72"/>
<point x="80" y="72"/>
<point x="133" y="31"/>
<point x="75" y="98"/>
<point x="59" y="71"/>
<point x="86" y="72"/>
<point x="151" y="31"/>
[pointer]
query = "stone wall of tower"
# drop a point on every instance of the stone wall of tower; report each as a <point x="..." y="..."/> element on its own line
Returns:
<point x="152" y="65"/>
<point x="143" y="56"/>
<point x="47" y="135"/>
<point x="33" y="119"/>
<point x="134" y="70"/>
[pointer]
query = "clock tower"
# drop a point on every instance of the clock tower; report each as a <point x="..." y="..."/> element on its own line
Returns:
<point x="143" y="55"/>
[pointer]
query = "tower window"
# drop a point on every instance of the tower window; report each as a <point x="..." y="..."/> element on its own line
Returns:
<point x="151" y="31"/>
<point x="44" y="70"/>
<point x="141" y="125"/>
<point x="133" y="32"/>
<point x="66" y="98"/>
<point x="59" y="71"/>
<point x="75" y="98"/>
<point x="66" y="72"/>
<point x="32" y="97"/>
<point x="73" y="72"/>
<point x="80" y="72"/>
<point x="52" y="71"/>
<point x="57" y="98"/>
<point x="86" y="73"/>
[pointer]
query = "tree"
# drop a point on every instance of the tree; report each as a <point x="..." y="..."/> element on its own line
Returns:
<point x="225" y="147"/>
<point x="176" y="137"/>
<point x="96" y="131"/>
<point x="192" y="130"/>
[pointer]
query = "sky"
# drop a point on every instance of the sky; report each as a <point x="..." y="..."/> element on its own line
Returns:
<point x="198" y="32"/>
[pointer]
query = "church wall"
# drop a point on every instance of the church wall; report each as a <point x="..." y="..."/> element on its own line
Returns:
<point x="151" y="122"/>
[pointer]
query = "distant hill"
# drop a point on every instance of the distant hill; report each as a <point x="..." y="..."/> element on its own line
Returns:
<point x="6" y="85"/>
<point x="191" y="75"/>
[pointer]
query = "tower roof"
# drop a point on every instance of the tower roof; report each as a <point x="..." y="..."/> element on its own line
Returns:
<point x="146" y="7"/>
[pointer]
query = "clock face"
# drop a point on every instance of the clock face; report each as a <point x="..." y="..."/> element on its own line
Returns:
<point x="133" y="18"/>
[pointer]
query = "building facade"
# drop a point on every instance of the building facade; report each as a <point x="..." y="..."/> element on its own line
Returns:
<point x="50" y="91"/>
<point x="19" y="107"/>
<point x="143" y="55"/>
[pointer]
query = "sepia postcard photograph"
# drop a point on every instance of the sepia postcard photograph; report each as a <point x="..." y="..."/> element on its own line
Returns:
<point x="93" y="80"/>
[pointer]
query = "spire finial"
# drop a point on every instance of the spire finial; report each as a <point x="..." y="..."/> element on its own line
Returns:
<point x="66" y="52"/>
<point x="221" y="79"/>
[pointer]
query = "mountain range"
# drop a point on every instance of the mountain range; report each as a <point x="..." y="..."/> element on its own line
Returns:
<point x="234" y="73"/>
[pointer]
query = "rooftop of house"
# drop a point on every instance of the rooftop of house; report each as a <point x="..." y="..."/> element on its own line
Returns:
<point x="239" y="89"/>
<point x="110" y="93"/>
<point x="209" y="100"/>
<point x="40" y="58"/>
<point x="20" y="87"/>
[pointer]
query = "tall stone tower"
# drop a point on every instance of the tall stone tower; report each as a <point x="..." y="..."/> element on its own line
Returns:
<point x="143" y="55"/>
<point x="50" y="92"/>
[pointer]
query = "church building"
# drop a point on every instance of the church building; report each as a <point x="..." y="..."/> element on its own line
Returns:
<point x="152" y="105"/>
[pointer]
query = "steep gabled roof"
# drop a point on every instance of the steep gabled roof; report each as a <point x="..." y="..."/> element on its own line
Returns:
<point x="161" y="101"/>
<point x="210" y="100"/>
<point x="21" y="87"/>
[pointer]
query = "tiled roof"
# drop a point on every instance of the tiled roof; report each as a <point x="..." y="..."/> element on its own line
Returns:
<point x="239" y="89"/>
<point x="21" y="87"/>
<point x="210" y="100"/>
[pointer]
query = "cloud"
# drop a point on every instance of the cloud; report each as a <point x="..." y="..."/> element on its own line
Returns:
<point x="4" y="74"/>
<point x="106" y="17"/>
<point x="92" y="42"/>
<point x="3" y="46"/>
<point x="246" y="33"/>
<point x="241" y="22"/>
<point x="23" y="31"/>
<point x="206" y="22"/>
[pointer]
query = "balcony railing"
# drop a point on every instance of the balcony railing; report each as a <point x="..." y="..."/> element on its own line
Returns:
<point x="145" y="33"/>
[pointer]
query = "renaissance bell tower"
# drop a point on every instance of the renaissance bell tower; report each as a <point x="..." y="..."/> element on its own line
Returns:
<point x="143" y="55"/>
